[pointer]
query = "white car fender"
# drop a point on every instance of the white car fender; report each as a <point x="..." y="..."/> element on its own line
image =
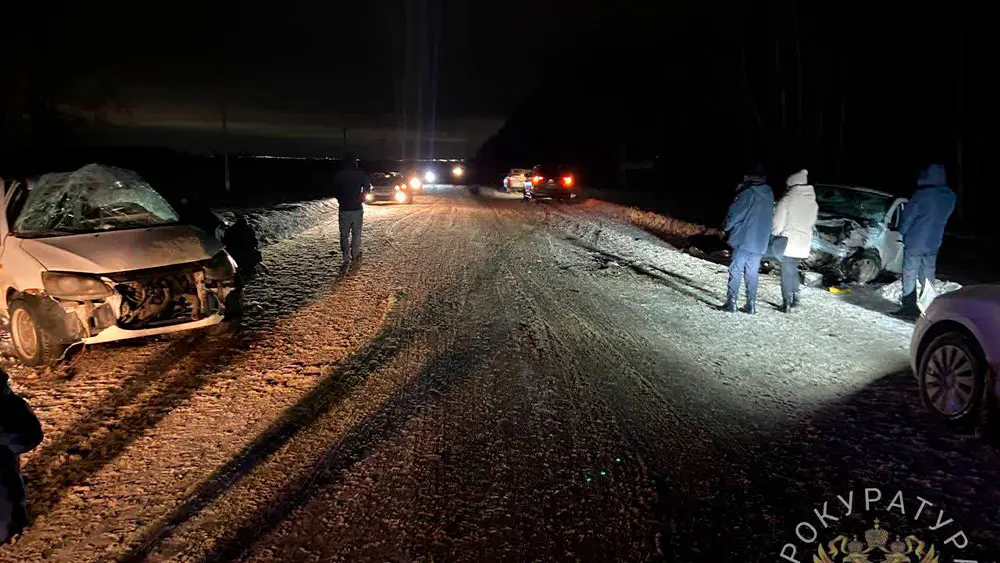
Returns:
<point x="980" y="318"/>
<point x="18" y="270"/>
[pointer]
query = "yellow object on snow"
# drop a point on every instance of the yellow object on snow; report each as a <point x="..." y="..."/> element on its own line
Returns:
<point x="839" y="290"/>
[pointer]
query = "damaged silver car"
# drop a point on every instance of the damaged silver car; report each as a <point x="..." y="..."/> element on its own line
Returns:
<point x="97" y="255"/>
<point x="857" y="234"/>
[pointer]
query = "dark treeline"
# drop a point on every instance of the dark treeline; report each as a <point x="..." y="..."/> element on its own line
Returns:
<point x="864" y="97"/>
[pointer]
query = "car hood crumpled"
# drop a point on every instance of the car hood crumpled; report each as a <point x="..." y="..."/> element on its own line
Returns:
<point x="845" y="233"/>
<point x="122" y="251"/>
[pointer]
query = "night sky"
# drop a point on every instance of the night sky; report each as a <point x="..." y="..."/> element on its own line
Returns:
<point x="855" y="93"/>
<point x="293" y="75"/>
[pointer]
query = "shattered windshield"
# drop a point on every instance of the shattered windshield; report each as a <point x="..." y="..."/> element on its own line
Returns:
<point x="93" y="198"/>
<point x="853" y="204"/>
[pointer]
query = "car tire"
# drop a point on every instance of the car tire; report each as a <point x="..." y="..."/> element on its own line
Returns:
<point x="33" y="345"/>
<point x="864" y="267"/>
<point x="952" y="377"/>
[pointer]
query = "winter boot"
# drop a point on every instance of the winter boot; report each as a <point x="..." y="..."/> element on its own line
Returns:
<point x="750" y="308"/>
<point x="786" y="305"/>
<point x="795" y="300"/>
<point x="909" y="310"/>
<point x="729" y="306"/>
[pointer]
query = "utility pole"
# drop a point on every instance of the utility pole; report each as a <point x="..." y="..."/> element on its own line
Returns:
<point x="225" y="143"/>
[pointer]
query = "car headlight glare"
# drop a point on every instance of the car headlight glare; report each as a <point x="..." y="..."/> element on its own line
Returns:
<point x="414" y="183"/>
<point x="74" y="287"/>
<point x="221" y="267"/>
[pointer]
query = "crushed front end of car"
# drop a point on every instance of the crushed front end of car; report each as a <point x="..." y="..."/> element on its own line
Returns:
<point x="94" y="309"/>
<point x="837" y="241"/>
<point x="96" y="255"/>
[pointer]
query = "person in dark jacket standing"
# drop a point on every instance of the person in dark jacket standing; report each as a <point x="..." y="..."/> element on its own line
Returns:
<point x="748" y="229"/>
<point x="922" y="226"/>
<point x="20" y="432"/>
<point x="349" y="186"/>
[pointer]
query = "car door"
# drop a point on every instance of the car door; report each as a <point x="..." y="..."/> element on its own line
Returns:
<point x="892" y="243"/>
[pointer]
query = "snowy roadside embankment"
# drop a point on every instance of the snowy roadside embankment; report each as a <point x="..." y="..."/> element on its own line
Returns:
<point x="675" y="231"/>
<point x="281" y="222"/>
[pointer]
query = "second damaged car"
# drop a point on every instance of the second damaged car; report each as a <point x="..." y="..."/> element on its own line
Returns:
<point x="97" y="255"/>
<point x="857" y="234"/>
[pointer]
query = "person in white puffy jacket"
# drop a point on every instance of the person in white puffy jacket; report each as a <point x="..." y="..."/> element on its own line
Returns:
<point x="794" y="218"/>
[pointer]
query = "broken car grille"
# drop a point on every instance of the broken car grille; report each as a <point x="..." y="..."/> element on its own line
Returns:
<point x="158" y="298"/>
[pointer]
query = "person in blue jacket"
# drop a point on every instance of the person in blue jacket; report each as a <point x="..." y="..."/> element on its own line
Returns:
<point x="922" y="226"/>
<point x="748" y="230"/>
<point x="20" y="432"/>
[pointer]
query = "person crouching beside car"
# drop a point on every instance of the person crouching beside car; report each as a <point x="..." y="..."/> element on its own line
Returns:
<point x="748" y="228"/>
<point x="20" y="432"/>
<point x="794" y="219"/>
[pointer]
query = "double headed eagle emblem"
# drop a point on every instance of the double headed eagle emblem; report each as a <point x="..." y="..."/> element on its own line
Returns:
<point x="904" y="550"/>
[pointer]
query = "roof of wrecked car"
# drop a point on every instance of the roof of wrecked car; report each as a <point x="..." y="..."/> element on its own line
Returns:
<point x="856" y="188"/>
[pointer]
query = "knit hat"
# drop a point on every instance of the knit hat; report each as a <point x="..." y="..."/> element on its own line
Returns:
<point x="800" y="178"/>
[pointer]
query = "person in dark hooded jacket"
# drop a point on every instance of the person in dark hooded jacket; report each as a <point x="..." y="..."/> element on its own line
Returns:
<point x="922" y="226"/>
<point x="748" y="230"/>
<point x="241" y="242"/>
<point x="20" y="432"/>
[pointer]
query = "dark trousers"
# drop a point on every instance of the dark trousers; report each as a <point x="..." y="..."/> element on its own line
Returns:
<point x="918" y="266"/>
<point x="13" y="512"/>
<point x="789" y="278"/>
<point x="745" y="265"/>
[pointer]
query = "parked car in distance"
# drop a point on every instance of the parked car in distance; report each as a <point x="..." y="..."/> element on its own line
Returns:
<point x="97" y="255"/>
<point x="516" y="179"/>
<point x="390" y="187"/>
<point x="857" y="234"/>
<point x="551" y="182"/>
<point x="954" y="353"/>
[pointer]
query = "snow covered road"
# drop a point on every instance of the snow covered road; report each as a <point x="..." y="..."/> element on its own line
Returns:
<point x="499" y="380"/>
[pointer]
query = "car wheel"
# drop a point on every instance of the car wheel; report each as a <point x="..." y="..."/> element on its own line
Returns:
<point x="766" y="266"/>
<point x="952" y="376"/>
<point x="864" y="267"/>
<point x="33" y="345"/>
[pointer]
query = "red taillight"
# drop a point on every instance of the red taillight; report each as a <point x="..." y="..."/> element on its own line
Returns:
<point x="567" y="181"/>
<point x="537" y="179"/>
